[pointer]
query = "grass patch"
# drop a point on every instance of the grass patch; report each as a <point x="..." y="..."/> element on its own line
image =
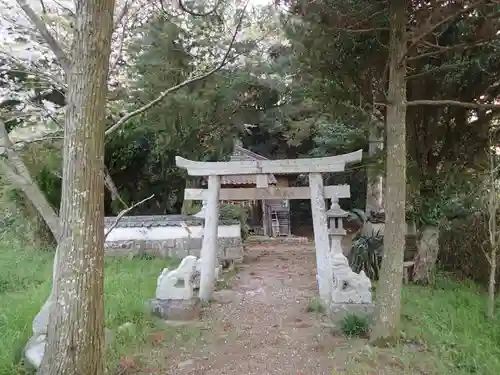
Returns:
<point x="25" y="282"/>
<point x="353" y="325"/>
<point x="315" y="306"/>
<point x="450" y="318"/>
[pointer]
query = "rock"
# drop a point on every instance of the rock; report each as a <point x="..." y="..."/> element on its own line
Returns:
<point x="35" y="348"/>
<point x="34" y="351"/>
<point x="176" y="309"/>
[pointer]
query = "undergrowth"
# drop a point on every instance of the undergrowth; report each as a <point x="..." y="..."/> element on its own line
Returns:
<point x="25" y="281"/>
<point x="450" y="319"/>
<point x="353" y="325"/>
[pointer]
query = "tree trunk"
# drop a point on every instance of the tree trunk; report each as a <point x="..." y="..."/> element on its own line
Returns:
<point x="75" y="343"/>
<point x="492" y="229"/>
<point x="388" y="303"/>
<point x="425" y="260"/>
<point x="492" y="283"/>
<point x="374" y="188"/>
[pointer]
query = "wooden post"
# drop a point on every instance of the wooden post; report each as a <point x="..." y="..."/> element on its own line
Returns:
<point x="209" y="246"/>
<point x="324" y="271"/>
<point x="262" y="182"/>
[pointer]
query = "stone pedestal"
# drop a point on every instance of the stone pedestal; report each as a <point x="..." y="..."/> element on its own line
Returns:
<point x="176" y="309"/>
<point x="350" y="291"/>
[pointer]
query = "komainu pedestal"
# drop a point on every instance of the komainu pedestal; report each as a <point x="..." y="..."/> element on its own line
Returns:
<point x="349" y="286"/>
<point x="351" y="291"/>
<point x="175" y="296"/>
<point x="175" y="299"/>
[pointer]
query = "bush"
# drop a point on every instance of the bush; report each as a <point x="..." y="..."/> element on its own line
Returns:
<point x="353" y="325"/>
<point x="366" y="254"/>
<point x="461" y="249"/>
<point x="235" y="212"/>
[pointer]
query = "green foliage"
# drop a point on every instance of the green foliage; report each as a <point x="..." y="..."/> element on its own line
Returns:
<point x="50" y="184"/>
<point x="449" y="321"/>
<point x="354" y="325"/>
<point x="459" y="197"/>
<point x="344" y="72"/>
<point x="236" y="212"/>
<point x="462" y="246"/>
<point x="25" y="281"/>
<point x="199" y="121"/>
<point x="315" y="306"/>
<point x="366" y="254"/>
<point x="16" y="226"/>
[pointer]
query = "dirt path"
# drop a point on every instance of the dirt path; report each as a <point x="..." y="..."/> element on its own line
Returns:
<point x="261" y="325"/>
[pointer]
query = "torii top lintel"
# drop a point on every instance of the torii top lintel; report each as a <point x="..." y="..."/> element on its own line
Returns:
<point x="285" y="166"/>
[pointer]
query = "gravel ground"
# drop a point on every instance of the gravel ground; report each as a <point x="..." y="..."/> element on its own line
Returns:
<point x="260" y="326"/>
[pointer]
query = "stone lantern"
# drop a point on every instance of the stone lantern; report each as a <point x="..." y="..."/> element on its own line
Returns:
<point x="335" y="225"/>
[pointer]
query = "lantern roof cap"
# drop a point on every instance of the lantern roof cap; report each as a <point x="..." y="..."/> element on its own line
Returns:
<point x="336" y="211"/>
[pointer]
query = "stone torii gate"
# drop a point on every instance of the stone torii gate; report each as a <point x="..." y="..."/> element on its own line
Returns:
<point x="329" y="258"/>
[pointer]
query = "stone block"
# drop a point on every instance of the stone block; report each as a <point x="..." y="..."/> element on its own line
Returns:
<point x="178" y="310"/>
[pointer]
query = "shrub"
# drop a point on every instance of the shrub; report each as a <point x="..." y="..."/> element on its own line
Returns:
<point x="353" y="325"/>
<point x="461" y="248"/>
<point x="238" y="212"/>
<point x="366" y="254"/>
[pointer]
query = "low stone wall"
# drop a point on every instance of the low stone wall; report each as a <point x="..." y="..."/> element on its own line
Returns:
<point x="170" y="236"/>
<point x="229" y="248"/>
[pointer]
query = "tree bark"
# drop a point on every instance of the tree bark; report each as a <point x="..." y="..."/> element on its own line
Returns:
<point x="374" y="188"/>
<point x="76" y="328"/>
<point x="388" y="304"/>
<point x="425" y="260"/>
<point x="492" y="230"/>
<point x="492" y="284"/>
